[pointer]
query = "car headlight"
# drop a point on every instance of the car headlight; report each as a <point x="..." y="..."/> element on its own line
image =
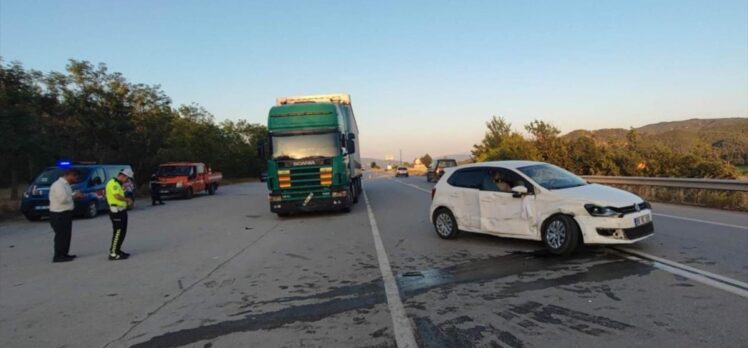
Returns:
<point x="179" y="184"/>
<point x="596" y="210"/>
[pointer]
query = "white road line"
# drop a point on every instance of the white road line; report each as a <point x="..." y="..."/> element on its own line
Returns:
<point x="714" y="280"/>
<point x="411" y="185"/>
<point x="401" y="324"/>
<point x="702" y="221"/>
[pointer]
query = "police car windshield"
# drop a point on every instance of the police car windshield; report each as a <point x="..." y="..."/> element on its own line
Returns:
<point x="174" y="170"/>
<point x="49" y="176"/>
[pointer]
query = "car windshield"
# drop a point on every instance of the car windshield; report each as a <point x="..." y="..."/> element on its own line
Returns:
<point x="446" y="164"/>
<point x="51" y="175"/>
<point x="552" y="177"/>
<point x="306" y="146"/>
<point x="174" y="170"/>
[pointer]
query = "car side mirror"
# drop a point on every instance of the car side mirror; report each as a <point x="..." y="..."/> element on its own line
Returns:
<point x="95" y="181"/>
<point x="519" y="191"/>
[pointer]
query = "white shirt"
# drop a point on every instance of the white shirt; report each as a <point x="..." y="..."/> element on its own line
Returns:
<point x="61" y="196"/>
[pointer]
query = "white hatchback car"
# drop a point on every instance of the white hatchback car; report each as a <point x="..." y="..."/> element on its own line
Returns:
<point x="537" y="201"/>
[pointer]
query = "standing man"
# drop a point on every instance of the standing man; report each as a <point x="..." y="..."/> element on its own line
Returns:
<point x="118" y="203"/>
<point x="61" y="207"/>
<point x="155" y="190"/>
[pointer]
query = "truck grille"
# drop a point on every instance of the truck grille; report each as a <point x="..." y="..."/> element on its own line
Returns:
<point x="303" y="180"/>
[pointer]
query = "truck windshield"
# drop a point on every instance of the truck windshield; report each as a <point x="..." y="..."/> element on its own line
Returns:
<point x="305" y="146"/>
<point x="174" y="171"/>
<point x="49" y="176"/>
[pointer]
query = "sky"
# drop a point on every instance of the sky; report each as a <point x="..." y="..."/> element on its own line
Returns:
<point x="424" y="76"/>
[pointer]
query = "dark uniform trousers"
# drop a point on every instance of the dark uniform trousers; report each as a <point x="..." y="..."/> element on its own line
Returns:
<point x="119" y="230"/>
<point x="62" y="224"/>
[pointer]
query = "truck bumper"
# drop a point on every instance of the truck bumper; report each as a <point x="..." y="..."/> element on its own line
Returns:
<point x="317" y="204"/>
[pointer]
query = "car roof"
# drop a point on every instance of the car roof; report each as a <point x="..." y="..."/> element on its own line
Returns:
<point x="504" y="164"/>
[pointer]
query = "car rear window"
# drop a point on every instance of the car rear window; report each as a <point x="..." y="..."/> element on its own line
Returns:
<point x="468" y="178"/>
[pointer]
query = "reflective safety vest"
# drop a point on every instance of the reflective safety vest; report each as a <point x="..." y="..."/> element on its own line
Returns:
<point x="113" y="187"/>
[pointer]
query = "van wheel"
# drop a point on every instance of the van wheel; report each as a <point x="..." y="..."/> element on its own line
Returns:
<point x="91" y="210"/>
<point x="32" y="217"/>
<point x="445" y="224"/>
<point x="560" y="235"/>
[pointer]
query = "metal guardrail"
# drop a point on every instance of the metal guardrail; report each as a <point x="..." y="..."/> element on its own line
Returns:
<point x="691" y="183"/>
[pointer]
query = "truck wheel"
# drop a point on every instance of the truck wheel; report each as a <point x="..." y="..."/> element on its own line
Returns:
<point x="355" y="191"/>
<point x="91" y="210"/>
<point x="211" y="189"/>
<point x="188" y="194"/>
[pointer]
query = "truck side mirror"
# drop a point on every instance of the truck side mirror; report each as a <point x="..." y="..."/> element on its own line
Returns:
<point x="350" y="146"/>
<point x="262" y="149"/>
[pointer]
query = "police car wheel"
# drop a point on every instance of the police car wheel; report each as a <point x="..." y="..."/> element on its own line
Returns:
<point x="91" y="210"/>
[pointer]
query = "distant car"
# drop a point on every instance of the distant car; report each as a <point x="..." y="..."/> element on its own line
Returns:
<point x="537" y="201"/>
<point x="401" y="171"/>
<point x="91" y="182"/>
<point x="264" y="176"/>
<point x="436" y="170"/>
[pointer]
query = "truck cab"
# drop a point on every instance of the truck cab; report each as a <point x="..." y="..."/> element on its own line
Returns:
<point x="312" y="153"/>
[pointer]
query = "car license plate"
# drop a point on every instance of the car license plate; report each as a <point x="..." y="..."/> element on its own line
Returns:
<point x="41" y="207"/>
<point x="642" y="220"/>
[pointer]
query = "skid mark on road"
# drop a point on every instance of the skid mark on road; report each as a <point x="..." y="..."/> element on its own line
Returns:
<point x="198" y="281"/>
<point x="707" y="278"/>
<point x="361" y="297"/>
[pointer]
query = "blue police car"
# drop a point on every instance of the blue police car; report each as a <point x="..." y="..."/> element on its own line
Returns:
<point x="91" y="182"/>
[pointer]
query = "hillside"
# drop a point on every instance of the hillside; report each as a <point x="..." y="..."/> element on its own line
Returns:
<point x="728" y="136"/>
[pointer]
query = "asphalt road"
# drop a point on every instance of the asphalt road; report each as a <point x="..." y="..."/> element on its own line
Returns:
<point x="221" y="271"/>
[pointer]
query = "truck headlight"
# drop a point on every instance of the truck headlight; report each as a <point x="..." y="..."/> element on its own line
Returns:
<point x="596" y="210"/>
<point x="179" y="184"/>
<point x="339" y="194"/>
<point x="277" y="198"/>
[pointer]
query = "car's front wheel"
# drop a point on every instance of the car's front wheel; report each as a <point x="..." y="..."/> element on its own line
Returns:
<point x="91" y="210"/>
<point x="445" y="224"/>
<point x="560" y="235"/>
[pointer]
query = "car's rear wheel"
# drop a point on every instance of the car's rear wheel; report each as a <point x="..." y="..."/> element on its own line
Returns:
<point x="445" y="224"/>
<point x="560" y="235"/>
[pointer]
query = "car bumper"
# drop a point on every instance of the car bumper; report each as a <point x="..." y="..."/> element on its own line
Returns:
<point x="317" y="204"/>
<point x="615" y="230"/>
<point x="172" y="191"/>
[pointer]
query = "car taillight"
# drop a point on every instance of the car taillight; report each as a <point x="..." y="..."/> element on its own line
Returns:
<point x="433" y="192"/>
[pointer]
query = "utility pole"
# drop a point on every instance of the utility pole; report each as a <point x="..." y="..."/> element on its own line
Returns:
<point x="401" y="157"/>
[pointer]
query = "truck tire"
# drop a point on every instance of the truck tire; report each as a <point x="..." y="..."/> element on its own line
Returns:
<point x="188" y="193"/>
<point x="356" y="191"/>
<point x="211" y="189"/>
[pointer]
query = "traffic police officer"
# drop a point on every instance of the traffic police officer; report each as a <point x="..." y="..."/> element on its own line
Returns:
<point x="118" y="203"/>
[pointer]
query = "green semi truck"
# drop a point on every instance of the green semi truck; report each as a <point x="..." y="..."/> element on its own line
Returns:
<point x="312" y="154"/>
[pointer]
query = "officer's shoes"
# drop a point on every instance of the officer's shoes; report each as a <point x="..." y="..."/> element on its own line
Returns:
<point x="122" y="253"/>
<point x="62" y="259"/>
<point x="116" y="257"/>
